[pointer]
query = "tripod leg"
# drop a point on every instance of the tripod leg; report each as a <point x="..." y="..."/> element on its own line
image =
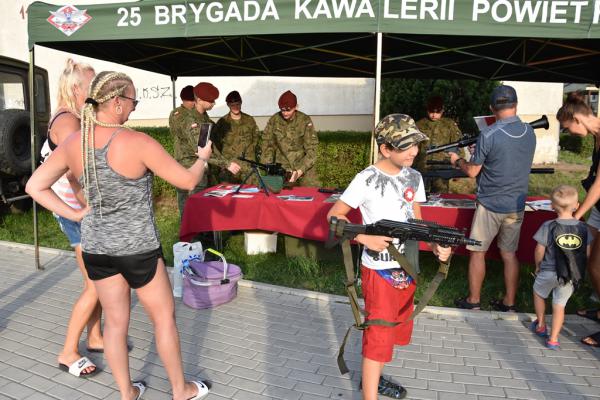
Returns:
<point x="243" y="182"/>
<point x="261" y="182"/>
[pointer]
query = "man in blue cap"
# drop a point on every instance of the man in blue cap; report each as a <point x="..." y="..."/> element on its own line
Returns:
<point x="501" y="162"/>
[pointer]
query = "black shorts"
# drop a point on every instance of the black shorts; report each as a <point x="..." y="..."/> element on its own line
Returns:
<point x="137" y="269"/>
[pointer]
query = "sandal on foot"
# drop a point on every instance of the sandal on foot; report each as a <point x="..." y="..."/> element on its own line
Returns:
<point x="101" y="350"/>
<point x="553" y="345"/>
<point x="595" y="338"/>
<point x="589" y="314"/>
<point x="464" y="303"/>
<point x="77" y="368"/>
<point x="540" y="331"/>
<point x="202" y="390"/>
<point x="390" y="389"/>
<point x="141" y="385"/>
<point x="498" y="305"/>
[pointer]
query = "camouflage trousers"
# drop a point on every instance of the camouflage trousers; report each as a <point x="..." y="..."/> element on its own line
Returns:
<point x="182" y="195"/>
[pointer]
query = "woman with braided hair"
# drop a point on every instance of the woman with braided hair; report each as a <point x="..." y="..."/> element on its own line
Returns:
<point x="121" y="247"/>
<point x="73" y="87"/>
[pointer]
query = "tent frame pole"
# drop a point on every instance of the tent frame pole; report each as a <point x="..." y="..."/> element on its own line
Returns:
<point x="173" y="79"/>
<point x="31" y="78"/>
<point x="376" y="105"/>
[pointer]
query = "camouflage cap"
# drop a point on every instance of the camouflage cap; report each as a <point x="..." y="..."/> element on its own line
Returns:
<point x="399" y="130"/>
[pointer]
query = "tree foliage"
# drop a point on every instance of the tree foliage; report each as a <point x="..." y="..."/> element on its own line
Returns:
<point x="463" y="99"/>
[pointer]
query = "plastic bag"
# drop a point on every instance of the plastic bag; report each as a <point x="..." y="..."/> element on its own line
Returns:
<point x="183" y="253"/>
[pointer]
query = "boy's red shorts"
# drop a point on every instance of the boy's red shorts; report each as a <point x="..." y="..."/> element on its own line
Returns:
<point x="382" y="301"/>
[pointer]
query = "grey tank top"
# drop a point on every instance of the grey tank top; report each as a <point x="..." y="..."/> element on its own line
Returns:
<point x="121" y="220"/>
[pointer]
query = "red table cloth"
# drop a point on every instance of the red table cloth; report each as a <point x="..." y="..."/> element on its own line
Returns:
<point x="307" y="219"/>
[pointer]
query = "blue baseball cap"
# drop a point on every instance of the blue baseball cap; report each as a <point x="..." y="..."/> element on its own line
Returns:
<point x="503" y="96"/>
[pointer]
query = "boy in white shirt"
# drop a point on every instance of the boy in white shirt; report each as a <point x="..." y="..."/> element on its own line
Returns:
<point x="389" y="189"/>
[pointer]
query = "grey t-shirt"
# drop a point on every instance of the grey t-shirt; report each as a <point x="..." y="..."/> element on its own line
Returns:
<point x="543" y="237"/>
<point x="505" y="151"/>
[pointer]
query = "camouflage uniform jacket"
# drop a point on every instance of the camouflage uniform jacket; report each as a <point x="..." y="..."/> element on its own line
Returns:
<point x="439" y="132"/>
<point x="294" y="142"/>
<point x="186" y="131"/>
<point x="231" y="138"/>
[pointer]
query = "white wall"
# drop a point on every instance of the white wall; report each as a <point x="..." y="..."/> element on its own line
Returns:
<point x="333" y="99"/>
<point x="537" y="99"/>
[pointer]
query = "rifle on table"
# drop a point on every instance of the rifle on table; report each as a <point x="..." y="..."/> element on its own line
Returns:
<point x="468" y="140"/>
<point x="270" y="168"/>
<point x="414" y="229"/>
<point x="450" y="173"/>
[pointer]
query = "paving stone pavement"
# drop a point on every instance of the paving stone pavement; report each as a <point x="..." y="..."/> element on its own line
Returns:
<point x="277" y="343"/>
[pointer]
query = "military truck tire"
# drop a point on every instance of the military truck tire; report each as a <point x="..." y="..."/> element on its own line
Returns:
<point x="15" y="142"/>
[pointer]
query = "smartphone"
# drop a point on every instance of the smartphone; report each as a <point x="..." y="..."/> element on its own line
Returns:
<point x="205" y="129"/>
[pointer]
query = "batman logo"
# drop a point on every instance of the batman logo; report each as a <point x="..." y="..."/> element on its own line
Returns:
<point x="569" y="241"/>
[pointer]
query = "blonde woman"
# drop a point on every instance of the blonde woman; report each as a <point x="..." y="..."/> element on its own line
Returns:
<point x="577" y="117"/>
<point x="73" y="86"/>
<point x="120" y="241"/>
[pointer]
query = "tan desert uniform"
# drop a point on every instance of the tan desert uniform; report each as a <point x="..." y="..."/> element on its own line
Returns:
<point x="294" y="143"/>
<point x="231" y="139"/>
<point x="440" y="132"/>
<point x="185" y="131"/>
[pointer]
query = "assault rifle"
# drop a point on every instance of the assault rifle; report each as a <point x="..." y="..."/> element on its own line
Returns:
<point x="414" y="229"/>
<point x="468" y="140"/>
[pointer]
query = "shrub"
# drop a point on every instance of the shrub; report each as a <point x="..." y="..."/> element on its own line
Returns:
<point x="581" y="145"/>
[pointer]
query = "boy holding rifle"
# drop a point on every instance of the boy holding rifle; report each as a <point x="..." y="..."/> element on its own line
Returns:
<point x="391" y="190"/>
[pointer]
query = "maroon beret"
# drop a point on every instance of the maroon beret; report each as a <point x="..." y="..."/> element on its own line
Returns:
<point x="435" y="103"/>
<point x="206" y="91"/>
<point x="288" y="99"/>
<point x="187" y="93"/>
<point x="233" y="97"/>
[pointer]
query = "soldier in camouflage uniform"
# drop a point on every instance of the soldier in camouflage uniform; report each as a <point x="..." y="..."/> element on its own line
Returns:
<point x="290" y="136"/>
<point x="235" y="134"/>
<point x="440" y="131"/>
<point x="187" y="104"/>
<point x="186" y="131"/>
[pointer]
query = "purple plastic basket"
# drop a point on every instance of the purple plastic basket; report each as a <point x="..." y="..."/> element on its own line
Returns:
<point x="210" y="283"/>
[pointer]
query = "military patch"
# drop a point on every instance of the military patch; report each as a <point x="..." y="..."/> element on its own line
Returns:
<point x="309" y="124"/>
<point x="194" y="125"/>
<point x="176" y="113"/>
<point x="68" y="19"/>
<point x="569" y="241"/>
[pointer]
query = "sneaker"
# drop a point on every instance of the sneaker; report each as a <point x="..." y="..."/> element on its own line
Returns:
<point x="540" y="331"/>
<point x="389" y="389"/>
<point x="553" y="345"/>
<point x="463" y="303"/>
<point x="498" y="305"/>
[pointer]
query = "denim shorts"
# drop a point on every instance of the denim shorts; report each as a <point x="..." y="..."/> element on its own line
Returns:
<point x="71" y="229"/>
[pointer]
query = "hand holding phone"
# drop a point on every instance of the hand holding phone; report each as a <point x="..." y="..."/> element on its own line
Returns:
<point x="205" y="129"/>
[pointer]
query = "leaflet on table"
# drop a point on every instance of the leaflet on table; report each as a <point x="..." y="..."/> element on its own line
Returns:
<point x="535" y="205"/>
<point x="224" y="190"/>
<point x="333" y="198"/>
<point x="436" y="201"/>
<point x="292" y="197"/>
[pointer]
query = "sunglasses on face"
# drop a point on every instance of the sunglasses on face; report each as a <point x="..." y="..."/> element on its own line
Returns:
<point x="134" y="101"/>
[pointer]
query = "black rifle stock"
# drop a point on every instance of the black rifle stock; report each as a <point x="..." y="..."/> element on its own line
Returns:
<point x="468" y="140"/>
<point x="414" y="229"/>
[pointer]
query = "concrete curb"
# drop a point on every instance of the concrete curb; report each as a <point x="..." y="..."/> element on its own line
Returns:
<point x="430" y="311"/>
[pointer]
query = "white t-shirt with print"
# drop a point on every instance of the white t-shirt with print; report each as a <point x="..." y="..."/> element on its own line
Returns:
<point x="382" y="196"/>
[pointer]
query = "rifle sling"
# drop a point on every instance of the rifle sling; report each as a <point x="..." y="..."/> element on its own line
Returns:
<point x="353" y="296"/>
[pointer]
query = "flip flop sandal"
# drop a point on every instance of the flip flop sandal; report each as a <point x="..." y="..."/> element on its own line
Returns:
<point x="535" y="328"/>
<point x="589" y="314"/>
<point x="141" y="385"/>
<point x="553" y="345"/>
<point x="202" y="390"/>
<point x="77" y="368"/>
<point x="595" y="337"/>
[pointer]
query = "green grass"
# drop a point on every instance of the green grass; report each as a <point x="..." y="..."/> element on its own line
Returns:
<point x="574" y="158"/>
<point x="324" y="276"/>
